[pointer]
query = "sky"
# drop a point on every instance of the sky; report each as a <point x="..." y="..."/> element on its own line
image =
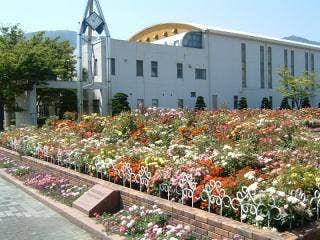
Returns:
<point x="275" y="18"/>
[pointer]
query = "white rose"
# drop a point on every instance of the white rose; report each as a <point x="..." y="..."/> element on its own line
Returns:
<point x="243" y="217"/>
<point x="259" y="218"/>
<point x="292" y="200"/>
<point x="253" y="187"/>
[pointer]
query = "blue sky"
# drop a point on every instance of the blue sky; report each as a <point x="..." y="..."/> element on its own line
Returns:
<point x="277" y="18"/>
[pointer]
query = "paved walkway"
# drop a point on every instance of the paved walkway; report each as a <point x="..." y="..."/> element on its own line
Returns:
<point x="24" y="218"/>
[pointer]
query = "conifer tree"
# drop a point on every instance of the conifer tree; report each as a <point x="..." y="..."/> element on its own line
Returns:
<point x="200" y="104"/>
<point x="243" y="104"/>
<point x="285" y="103"/>
<point x="120" y="103"/>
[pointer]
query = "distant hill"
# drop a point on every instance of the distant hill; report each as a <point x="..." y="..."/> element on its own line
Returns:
<point x="301" y="39"/>
<point x="65" y="35"/>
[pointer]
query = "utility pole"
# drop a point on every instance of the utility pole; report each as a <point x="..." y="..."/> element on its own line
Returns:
<point x="89" y="46"/>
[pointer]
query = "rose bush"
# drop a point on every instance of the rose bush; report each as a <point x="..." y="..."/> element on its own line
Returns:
<point x="271" y="152"/>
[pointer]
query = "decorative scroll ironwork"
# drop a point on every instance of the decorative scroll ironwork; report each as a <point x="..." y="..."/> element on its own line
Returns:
<point x="187" y="185"/>
<point x="126" y="174"/>
<point x="143" y="178"/>
<point x="169" y="190"/>
<point x="315" y="203"/>
<point x="214" y="194"/>
<point x="249" y="204"/>
<point x="46" y="155"/>
<point x="102" y="169"/>
<point x="14" y="144"/>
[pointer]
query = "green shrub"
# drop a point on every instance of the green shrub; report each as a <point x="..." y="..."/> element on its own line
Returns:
<point x="243" y="104"/>
<point x="70" y="116"/>
<point x="305" y="103"/>
<point x="265" y="103"/>
<point x="285" y="103"/>
<point x="200" y="104"/>
<point x="120" y="103"/>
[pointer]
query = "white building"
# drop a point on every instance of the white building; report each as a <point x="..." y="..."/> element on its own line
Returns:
<point x="169" y="65"/>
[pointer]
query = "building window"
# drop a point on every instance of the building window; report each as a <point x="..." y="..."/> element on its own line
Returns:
<point x="154" y="69"/>
<point x="95" y="67"/>
<point x="269" y="67"/>
<point x="113" y="66"/>
<point x="179" y="70"/>
<point x="96" y="106"/>
<point x="200" y="73"/>
<point x="193" y="40"/>
<point x="193" y="94"/>
<point x="140" y="103"/>
<point x="262" y="80"/>
<point x="243" y="65"/>
<point x="180" y="103"/>
<point x="292" y="62"/>
<point x="306" y="62"/>
<point x="139" y="68"/>
<point x="155" y="103"/>
<point x="285" y="60"/>
<point x="312" y="62"/>
<point x="235" y="102"/>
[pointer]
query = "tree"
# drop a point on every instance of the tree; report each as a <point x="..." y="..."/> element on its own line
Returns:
<point x="265" y="103"/>
<point x="64" y="100"/>
<point x="200" y="104"/>
<point x="243" y="103"/>
<point x="305" y="103"/>
<point x="297" y="88"/>
<point x="285" y="103"/>
<point x="120" y="103"/>
<point x="27" y="63"/>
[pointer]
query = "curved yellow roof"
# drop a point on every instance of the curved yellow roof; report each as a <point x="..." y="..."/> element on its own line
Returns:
<point x="162" y="30"/>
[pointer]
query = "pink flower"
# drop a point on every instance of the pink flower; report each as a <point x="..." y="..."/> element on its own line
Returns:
<point x="123" y="228"/>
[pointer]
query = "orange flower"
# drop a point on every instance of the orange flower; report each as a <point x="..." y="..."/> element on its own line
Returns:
<point x="196" y="131"/>
<point x="190" y="143"/>
<point x="182" y="129"/>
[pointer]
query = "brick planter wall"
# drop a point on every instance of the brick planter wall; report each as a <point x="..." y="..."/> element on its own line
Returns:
<point x="204" y="225"/>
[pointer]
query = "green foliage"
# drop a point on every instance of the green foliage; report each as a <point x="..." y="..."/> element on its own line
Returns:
<point x="266" y="103"/>
<point x="25" y="63"/>
<point x="297" y="88"/>
<point x="285" y="103"/>
<point x="120" y="103"/>
<point x="70" y="116"/>
<point x="243" y="104"/>
<point x="200" y="104"/>
<point x="21" y="171"/>
<point x="51" y="119"/>
<point x="6" y="164"/>
<point x="299" y="176"/>
<point x="63" y="99"/>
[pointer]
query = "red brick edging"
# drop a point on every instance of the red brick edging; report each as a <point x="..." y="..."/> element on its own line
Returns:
<point x="204" y="225"/>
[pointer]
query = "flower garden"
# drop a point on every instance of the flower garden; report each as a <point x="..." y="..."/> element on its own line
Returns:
<point x="57" y="188"/>
<point x="144" y="224"/>
<point x="257" y="167"/>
